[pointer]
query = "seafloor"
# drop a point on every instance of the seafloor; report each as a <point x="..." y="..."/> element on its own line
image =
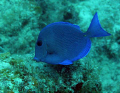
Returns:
<point x="20" y="24"/>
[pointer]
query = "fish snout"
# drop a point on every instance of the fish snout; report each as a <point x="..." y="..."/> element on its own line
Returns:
<point x="36" y="59"/>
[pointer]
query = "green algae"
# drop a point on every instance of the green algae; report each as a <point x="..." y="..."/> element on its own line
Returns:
<point x="4" y="55"/>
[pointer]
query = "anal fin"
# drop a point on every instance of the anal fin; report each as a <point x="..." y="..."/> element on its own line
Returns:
<point x="66" y="62"/>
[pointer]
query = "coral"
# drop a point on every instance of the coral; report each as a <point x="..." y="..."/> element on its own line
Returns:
<point x="4" y="55"/>
<point x="18" y="18"/>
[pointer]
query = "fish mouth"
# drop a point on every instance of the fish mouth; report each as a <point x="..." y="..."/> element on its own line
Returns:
<point x="36" y="59"/>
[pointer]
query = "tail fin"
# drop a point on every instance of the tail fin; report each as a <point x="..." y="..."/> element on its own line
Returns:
<point x="95" y="29"/>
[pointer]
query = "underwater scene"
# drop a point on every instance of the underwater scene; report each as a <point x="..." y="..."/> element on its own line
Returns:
<point x="59" y="46"/>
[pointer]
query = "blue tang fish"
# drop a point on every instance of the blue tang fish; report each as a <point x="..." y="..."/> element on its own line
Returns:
<point x="63" y="43"/>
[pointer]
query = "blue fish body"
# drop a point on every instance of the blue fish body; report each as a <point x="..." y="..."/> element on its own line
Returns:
<point x="63" y="43"/>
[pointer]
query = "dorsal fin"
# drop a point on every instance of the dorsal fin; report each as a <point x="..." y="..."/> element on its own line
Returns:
<point x="60" y="23"/>
<point x="76" y="26"/>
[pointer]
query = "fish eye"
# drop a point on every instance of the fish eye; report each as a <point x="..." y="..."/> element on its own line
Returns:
<point x="39" y="43"/>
